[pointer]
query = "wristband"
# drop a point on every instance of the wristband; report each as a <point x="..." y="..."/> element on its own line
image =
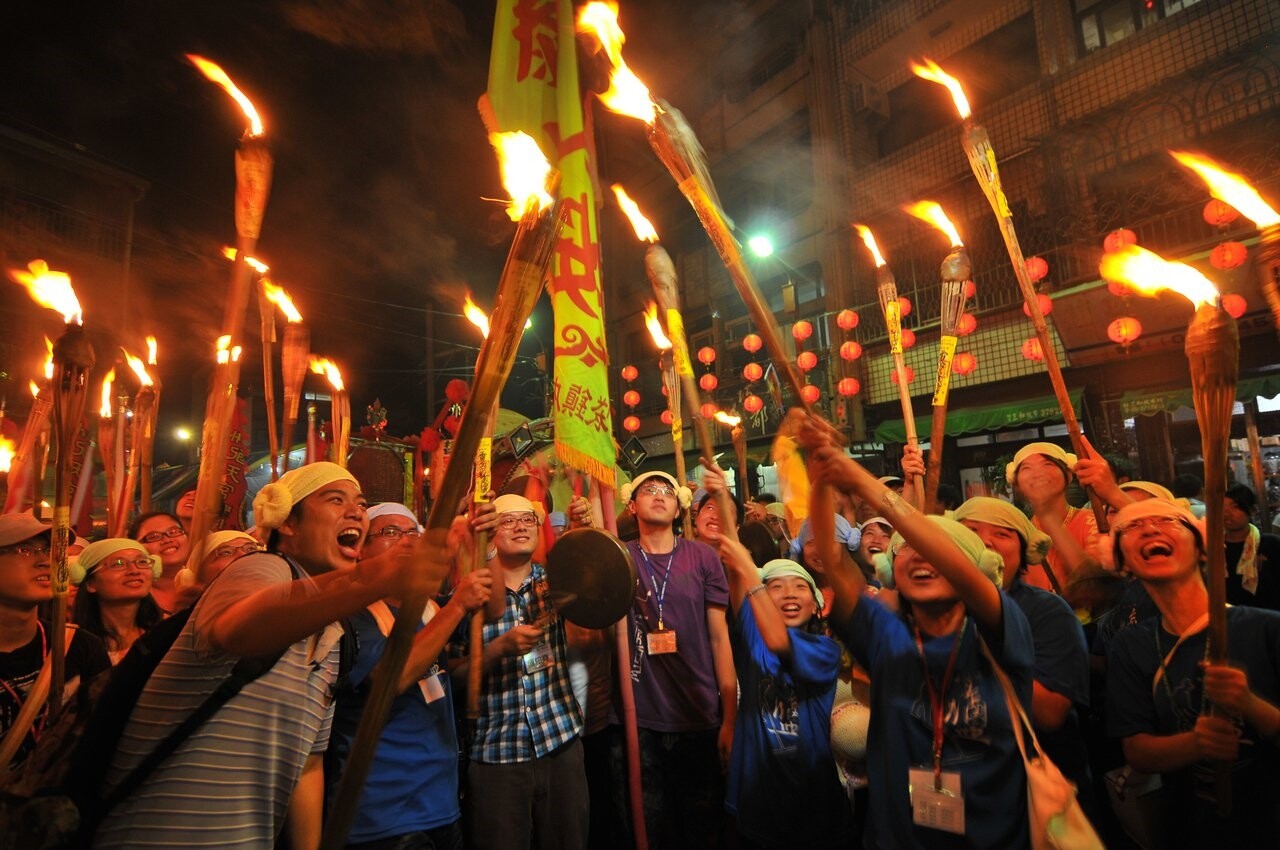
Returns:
<point x="753" y="591"/>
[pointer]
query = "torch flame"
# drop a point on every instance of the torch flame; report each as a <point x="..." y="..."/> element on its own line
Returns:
<point x="524" y="172"/>
<point x="931" y="213"/>
<point x="869" y="239"/>
<point x="50" y="289"/>
<point x="1230" y="188"/>
<point x="728" y="419"/>
<point x="655" y="327"/>
<point x="139" y="368"/>
<point x="151" y="351"/>
<point x="934" y="74"/>
<point x="252" y="262"/>
<point x="48" y="359"/>
<point x="219" y="76"/>
<point x="276" y="295"/>
<point x="476" y="316"/>
<point x="325" y="366"/>
<point x="643" y="228"/>
<point x="1148" y="273"/>
<point x="223" y="356"/>
<point x="35" y="389"/>
<point x="627" y="94"/>
<point x="6" y="453"/>
<point x="105" y="410"/>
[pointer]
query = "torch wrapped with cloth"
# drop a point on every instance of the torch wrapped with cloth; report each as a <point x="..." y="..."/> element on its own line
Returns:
<point x="982" y="161"/>
<point x="532" y="185"/>
<point x="339" y="408"/>
<point x="671" y="387"/>
<point x="955" y="273"/>
<point x="1213" y="352"/>
<point x="26" y="467"/>
<point x="141" y="445"/>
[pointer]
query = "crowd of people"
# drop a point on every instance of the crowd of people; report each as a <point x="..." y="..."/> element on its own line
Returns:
<point x="787" y="690"/>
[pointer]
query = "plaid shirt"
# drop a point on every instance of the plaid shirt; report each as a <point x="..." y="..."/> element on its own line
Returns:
<point x="523" y="716"/>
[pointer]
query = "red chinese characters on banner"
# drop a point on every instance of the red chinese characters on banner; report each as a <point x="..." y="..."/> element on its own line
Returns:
<point x="535" y="33"/>
<point x="582" y="404"/>
<point x="233" y="486"/>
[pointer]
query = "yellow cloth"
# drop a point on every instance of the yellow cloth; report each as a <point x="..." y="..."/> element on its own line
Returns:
<point x="1001" y="513"/>
<point x="79" y="566"/>
<point x="533" y="86"/>
<point x="274" y="501"/>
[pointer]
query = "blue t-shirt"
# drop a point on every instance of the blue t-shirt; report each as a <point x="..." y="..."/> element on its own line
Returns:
<point x="1138" y="704"/>
<point x="782" y="758"/>
<point x="978" y="734"/>
<point x="413" y="782"/>
<point x="1062" y="666"/>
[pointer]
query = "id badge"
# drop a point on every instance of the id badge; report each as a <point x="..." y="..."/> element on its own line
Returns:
<point x="538" y="658"/>
<point x="662" y="642"/>
<point x="936" y="809"/>
<point x="431" y="686"/>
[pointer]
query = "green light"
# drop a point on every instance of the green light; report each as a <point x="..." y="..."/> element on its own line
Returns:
<point x="761" y="246"/>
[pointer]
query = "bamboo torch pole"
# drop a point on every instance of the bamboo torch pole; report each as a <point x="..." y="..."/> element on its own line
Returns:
<point x="523" y="278"/>
<point x="106" y="443"/>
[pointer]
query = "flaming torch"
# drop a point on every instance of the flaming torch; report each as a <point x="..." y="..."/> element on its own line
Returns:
<point x="662" y="277"/>
<point x="72" y="361"/>
<point x="1213" y="352"/>
<point x="293" y="357"/>
<point x="956" y="271"/>
<point x="27" y="466"/>
<point x="739" y="436"/>
<point x="482" y="483"/>
<point x="142" y="434"/>
<point x="1233" y="189"/>
<point x="107" y="443"/>
<point x="982" y="160"/>
<point x="253" y="164"/>
<point x="339" y="408"/>
<point x="673" y="140"/>
<point x="887" y="292"/>
<point x="532" y="184"/>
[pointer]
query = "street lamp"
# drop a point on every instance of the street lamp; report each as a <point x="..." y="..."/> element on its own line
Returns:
<point x="761" y="246"/>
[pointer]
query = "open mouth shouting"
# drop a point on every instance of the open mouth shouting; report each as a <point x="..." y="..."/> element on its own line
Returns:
<point x="349" y="541"/>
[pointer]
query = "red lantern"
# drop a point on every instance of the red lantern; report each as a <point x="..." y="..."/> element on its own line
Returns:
<point x="753" y="371"/>
<point x="904" y="305"/>
<point x="1220" y="213"/>
<point x="708" y="382"/>
<point x="708" y="410"/>
<point x="1037" y="268"/>
<point x="631" y="423"/>
<point x="850" y="350"/>
<point x="802" y="330"/>
<point x="807" y="360"/>
<point x="964" y="363"/>
<point x="1045" y="302"/>
<point x="706" y="355"/>
<point x="1118" y="289"/>
<point x="457" y="391"/>
<point x="752" y="343"/>
<point x="630" y="373"/>
<point x="451" y="423"/>
<point x="970" y="289"/>
<point x="430" y="439"/>
<point x="1031" y="349"/>
<point x="911" y="374"/>
<point x="908" y="337"/>
<point x="753" y="404"/>
<point x="1117" y="239"/>
<point x="968" y="324"/>
<point x="846" y="320"/>
<point x="631" y="398"/>
<point x="810" y="394"/>
<point x="1124" y="330"/>
<point x="666" y="417"/>
<point x="848" y="387"/>
<point x="1235" y="305"/>
<point x="1228" y="255"/>
<point x="666" y="393"/>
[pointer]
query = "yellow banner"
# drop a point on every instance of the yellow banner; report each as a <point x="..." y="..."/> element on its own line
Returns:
<point x="533" y="86"/>
<point x="679" y="344"/>
<point x="946" y="353"/>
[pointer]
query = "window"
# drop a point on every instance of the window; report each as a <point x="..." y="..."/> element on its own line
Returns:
<point x="1101" y="23"/>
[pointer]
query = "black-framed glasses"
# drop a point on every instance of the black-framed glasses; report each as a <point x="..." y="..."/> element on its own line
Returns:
<point x="140" y="562"/>
<point x="157" y="536"/>
<point x="235" y="551"/>
<point x="26" y="550"/>
<point x="394" y="533"/>
<point x="510" y="521"/>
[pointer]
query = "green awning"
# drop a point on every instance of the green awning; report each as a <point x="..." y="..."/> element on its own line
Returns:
<point x="1148" y="402"/>
<point x="972" y="420"/>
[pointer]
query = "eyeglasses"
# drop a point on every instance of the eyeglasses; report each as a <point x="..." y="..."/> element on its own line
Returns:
<point x="393" y="533"/>
<point x="510" y="521"/>
<point x="26" y="550"/>
<point x="124" y="563"/>
<point x="663" y="490"/>
<point x="157" y="536"/>
<point x="1159" y="523"/>
<point x="234" y="551"/>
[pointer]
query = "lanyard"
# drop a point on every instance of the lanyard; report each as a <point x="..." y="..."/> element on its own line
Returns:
<point x="660" y="593"/>
<point x="1162" y="675"/>
<point x="937" y="696"/>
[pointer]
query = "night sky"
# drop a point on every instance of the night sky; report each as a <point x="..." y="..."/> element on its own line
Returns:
<point x="382" y="166"/>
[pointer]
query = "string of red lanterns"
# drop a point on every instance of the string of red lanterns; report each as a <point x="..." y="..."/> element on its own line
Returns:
<point x="631" y="398"/>
<point x="752" y="403"/>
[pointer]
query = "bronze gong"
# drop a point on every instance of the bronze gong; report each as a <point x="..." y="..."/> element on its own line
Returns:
<point x="592" y="577"/>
